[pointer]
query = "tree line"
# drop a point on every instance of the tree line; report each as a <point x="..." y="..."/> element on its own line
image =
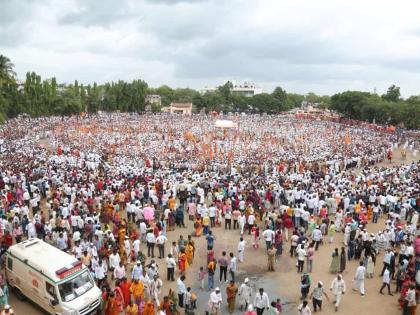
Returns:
<point x="42" y="97"/>
<point x="388" y="109"/>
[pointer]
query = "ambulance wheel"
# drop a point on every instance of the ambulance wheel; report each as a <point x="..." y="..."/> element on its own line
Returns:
<point x="19" y="295"/>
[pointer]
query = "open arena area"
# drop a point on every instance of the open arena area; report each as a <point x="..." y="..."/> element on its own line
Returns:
<point x="204" y="214"/>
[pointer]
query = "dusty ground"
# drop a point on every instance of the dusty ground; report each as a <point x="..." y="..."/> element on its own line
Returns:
<point x="284" y="282"/>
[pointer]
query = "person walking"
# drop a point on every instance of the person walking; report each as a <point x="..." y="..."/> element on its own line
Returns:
<point x="261" y="301"/>
<point x="343" y="260"/>
<point x="304" y="308"/>
<point x="182" y="289"/>
<point x="317" y="295"/>
<point x="411" y="303"/>
<point x="231" y="292"/>
<point x="301" y="253"/>
<point x="170" y="264"/>
<point x="338" y="288"/>
<point x="211" y="270"/>
<point x="317" y="237"/>
<point x="305" y="284"/>
<point x="223" y="266"/>
<point x="241" y="249"/>
<point x="232" y="266"/>
<point x="215" y="301"/>
<point x="359" y="279"/>
<point x="386" y="280"/>
<point x="271" y="256"/>
<point x="245" y="294"/>
<point x="310" y="253"/>
<point x="335" y="262"/>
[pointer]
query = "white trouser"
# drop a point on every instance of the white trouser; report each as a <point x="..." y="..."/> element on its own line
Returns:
<point x="338" y="299"/>
<point x="359" y="285"/>
<point x="241" y="256"/>
<point x="346" y="239"/>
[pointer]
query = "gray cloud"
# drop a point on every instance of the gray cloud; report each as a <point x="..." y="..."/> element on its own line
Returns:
<point x="93" y="12"/>
<point x="301" y="45"/>
<point x="174" y="2"/>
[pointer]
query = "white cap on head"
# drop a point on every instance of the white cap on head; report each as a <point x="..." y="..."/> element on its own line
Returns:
<point x="250" y="308"/>
<point x="246" y="280"/>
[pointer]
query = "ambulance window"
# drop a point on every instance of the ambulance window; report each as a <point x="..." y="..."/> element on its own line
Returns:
<point x="51" y="290"/>
<point x="10" y="263"/>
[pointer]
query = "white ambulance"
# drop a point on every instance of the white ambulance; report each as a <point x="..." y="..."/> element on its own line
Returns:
<point x="56" y="281"/>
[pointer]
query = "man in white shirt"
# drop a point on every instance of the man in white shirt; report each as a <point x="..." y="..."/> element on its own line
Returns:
<point x="170" y="264"/>
<point x="304" y="308"/>
<point x="136" y="247"/>
<point x="212" y="215"/>
<point x="268" y="235"/>
<point x="151" y="240"/>
<point x="160" y="241"/>
<point x="338" y="288"/>
<point x="241" y="223"/>
<point x="386" y="279"/>
<point x="119" y="271"/>
<point x="245" y="293"/>
<point x="181" y="290"/>
<point x="301" y="253"/>
<point x="261" y="301"/>
<point x="241" y="249"/>
<point x="251" y="220"/>
<point x="100" y="272"/>
<point x="317" y="237"/>
<point x="232" y="266"/>
<point x="215" y="301"/>
<point x="114" y="260"/>
<point x="359" y="279"/>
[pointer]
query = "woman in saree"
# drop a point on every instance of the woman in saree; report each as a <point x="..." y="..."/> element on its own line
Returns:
<point x="198" y="228"/>
<point x="171" y="220"/>
<point x="173" y="298"/>
<point x="119" y="298"/>
<point x="189" y="251"/>
<point x="182" y="262"/>
<point x="335" y="263"/>
<point x="111" y="305"/>
<point x="149" y="308"/>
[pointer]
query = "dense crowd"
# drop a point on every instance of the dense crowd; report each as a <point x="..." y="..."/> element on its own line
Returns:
<point x="110" y="188"/>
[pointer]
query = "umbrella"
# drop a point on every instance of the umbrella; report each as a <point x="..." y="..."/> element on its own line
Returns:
<point x="149" y="213"/>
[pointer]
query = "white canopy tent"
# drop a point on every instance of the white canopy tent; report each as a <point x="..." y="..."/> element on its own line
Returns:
<point x="225" y="124"/>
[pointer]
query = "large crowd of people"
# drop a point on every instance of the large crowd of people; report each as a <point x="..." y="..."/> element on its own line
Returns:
<point x="109" y="188"/>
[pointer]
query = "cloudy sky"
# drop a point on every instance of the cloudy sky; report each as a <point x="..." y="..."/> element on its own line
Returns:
<point x="323" y="46"/>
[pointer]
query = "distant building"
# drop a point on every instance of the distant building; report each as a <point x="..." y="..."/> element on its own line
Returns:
<point x="152" y="99"/>
<point x="309" y="105"/>
<point x="246" y="89"/>
<point x="179" y="108"/>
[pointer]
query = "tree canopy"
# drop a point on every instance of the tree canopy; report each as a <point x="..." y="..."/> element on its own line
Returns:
<point x="388" y="109"/>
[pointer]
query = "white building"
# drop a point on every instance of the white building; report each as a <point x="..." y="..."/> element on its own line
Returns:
<point x="152" y="99"/>
<point x="247" y="89"/>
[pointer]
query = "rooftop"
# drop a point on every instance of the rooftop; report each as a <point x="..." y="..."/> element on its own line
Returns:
<point x="181" y="105"/>
<point x="43" y="257"/>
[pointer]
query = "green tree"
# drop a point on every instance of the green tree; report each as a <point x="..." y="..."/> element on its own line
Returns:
<point x="7" y="74"/>
<point x="294" y="100"/>
<point x="166" y="94"/>
<point x="393" y="94"/>
<point x="266" y="103"/>
<point x="280" y="95"/>
<point x="411" y="113"/>
<point x="225" y="91"/>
